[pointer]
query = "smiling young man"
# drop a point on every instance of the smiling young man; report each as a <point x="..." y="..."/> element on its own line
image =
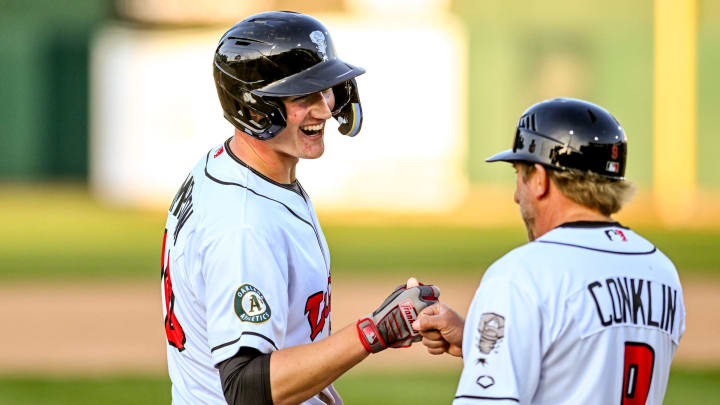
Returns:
<point x="588" y="312"/>
<point x="246" y="279"/>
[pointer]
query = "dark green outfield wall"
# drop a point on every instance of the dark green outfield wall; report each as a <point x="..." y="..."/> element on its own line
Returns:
<point x="44" y="86"/>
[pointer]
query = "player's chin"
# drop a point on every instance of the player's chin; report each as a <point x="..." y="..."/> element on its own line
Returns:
<point x="313" y="145"/>
<point x="314" y="153"/>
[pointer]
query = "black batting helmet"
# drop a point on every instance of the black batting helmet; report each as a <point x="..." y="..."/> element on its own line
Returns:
<point x="566" y="133"/>
<point x="280" y="54"/>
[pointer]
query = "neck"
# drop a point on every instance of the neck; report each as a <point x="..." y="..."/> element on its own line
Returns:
<point x="559" y="210"/>
<point x="261" y="157"/>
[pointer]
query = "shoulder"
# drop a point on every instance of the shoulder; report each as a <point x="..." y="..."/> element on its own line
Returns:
<point x="518" y="262"/>
<point x="232" y="195"/>
<point x="233" y="216"/>
<point x="541" y="266"/>
<point x="517" y="272"/>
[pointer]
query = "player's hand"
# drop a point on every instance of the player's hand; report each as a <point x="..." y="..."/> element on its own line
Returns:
<point x="441" y="328"/>
<point x="389" y="325"/>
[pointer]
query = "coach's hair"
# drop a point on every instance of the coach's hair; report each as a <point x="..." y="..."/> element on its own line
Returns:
<point x="586" y="188"/>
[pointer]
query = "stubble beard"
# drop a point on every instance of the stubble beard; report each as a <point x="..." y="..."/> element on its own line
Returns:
<point x="529" y="221"/>
<point x="314" y="151"/>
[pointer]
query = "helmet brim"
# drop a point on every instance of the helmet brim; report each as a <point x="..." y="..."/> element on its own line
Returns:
<point x="322" y="76"/>
<point x="510" y="156"/>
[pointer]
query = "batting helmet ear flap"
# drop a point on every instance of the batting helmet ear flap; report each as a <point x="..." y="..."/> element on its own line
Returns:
<point x="348" y="111"/>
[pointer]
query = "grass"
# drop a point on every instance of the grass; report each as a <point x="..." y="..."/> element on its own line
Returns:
<point x="61" y="233"/>
<point x="398" y="389"/>
<point x="686" y="387"/>
<point x="76" y="391"/>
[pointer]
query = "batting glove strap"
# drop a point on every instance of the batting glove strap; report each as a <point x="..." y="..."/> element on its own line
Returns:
<point x="369" y="336"/>
<point x="390" y="325"/>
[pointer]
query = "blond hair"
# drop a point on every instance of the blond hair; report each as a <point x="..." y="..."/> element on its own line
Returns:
<point x="588" y="189"/>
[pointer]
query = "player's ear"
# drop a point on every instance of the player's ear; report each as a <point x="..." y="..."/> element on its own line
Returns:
<point x="540" y="181"/>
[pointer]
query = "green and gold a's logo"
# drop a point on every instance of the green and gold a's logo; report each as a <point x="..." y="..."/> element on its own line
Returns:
<point x="250" y="305"/>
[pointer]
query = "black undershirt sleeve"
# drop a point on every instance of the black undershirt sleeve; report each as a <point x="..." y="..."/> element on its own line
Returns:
<point x="245" y="377"/>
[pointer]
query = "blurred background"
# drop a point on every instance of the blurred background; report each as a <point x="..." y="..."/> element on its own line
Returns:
<point x="105" y="105"/>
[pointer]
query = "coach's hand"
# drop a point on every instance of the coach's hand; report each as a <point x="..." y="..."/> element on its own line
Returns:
<point x="441" y="328"/>
<point x="389" y="325"/>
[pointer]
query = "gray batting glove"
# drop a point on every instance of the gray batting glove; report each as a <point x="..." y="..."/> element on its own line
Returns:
<point x="390" y="324"/>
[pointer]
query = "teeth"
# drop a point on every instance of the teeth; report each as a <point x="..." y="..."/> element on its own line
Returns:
<point x="311" y="128"/>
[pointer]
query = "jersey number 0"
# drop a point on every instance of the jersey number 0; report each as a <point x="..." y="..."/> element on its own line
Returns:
<point x="637" y="373"/>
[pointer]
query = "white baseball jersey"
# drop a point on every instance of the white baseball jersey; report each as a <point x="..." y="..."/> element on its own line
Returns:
<point x="589" y="313"/>
<point x="245" y="263"/>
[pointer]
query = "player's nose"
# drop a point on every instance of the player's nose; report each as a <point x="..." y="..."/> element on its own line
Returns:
<point x="322" y="107"/>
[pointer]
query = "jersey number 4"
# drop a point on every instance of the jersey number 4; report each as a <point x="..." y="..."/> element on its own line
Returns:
<point x="173" y="330"/>
<point x="637" y="375"/>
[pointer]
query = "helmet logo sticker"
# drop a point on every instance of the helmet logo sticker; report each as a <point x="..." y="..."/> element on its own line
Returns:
<point x="318" y="38"/>
<point x="248" y="98"/>
<point x="614" y="152"/>
<point x="613" y="167"/>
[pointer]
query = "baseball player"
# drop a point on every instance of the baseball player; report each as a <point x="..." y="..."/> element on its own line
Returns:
<point x="246" y="282"/>
<point x="588" y="312"/>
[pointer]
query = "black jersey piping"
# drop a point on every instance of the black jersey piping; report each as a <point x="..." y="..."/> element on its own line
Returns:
<point x="598" y="250"/>
<point x="262" y="176"/>
<point x="228" y="183"/>
<point x="232" y="342"/>
<point x="592" y="224"/>
<point x="488" y="398"/>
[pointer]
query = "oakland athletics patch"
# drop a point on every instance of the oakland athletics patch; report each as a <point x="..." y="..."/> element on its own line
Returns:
<point x="250" y="305"/>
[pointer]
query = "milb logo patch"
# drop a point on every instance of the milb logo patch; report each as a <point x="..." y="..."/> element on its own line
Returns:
<point x="250" y="305"/>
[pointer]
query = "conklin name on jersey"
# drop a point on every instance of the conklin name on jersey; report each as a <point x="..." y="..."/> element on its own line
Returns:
<point x="629" y="304"/>
<point x="245" y="263"/>
<point x="589" y="313"/>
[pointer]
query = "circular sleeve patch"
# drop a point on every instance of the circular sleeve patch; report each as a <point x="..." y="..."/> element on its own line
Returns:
<point x="250" y="305"/>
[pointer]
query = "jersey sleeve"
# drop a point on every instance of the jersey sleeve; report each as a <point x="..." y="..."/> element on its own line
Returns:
<point x="501" y="345"/>
<point x="246" y="293"/>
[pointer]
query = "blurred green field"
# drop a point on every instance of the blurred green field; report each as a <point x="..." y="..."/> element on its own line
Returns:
<point x="686" y="387"/>
<point x="61" y="233"/>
